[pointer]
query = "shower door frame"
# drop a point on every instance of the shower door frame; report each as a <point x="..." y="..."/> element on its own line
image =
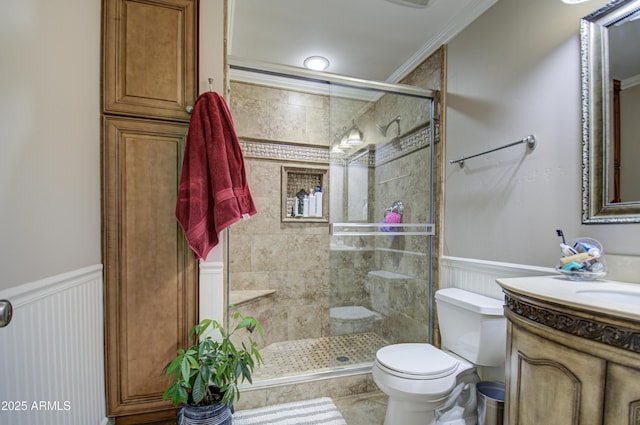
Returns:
<point x="276" y="70"/>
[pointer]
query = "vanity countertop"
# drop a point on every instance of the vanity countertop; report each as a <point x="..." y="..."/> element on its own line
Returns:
<point x="601" y="296"/>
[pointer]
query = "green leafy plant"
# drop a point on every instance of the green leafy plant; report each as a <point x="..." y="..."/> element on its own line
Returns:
<point x="209" y="371"/>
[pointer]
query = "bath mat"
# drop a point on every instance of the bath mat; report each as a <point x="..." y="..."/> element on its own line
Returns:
<point x="309" y="412"/>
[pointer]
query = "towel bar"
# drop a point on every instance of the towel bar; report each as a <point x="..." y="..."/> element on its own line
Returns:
<point x="529" y="140"/>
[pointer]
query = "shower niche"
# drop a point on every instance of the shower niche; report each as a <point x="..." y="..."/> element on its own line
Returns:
<point x="300" y="201"/>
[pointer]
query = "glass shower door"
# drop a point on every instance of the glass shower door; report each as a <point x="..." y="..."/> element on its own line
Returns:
<point x="380" y="243"/>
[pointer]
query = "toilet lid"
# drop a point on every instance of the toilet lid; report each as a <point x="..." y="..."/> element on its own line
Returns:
<point x="423" y="361"/>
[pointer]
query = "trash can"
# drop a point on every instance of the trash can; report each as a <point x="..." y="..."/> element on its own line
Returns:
<point x="490" y="403"/>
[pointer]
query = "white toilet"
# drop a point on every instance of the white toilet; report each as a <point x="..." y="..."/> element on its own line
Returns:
<point x="418" y="378"/>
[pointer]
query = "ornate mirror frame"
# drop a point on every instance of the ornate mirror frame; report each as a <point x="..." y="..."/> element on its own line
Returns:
<point x="597" y="142"/>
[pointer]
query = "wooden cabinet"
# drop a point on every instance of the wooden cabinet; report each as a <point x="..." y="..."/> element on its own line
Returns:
<point x="149" y="58"/>
<point x="150" y="273"/>
<point x="552" y="384"/>
<point x="149" y="79"/>
<point x="568" y="365"/>
<point x="622" y="405"/>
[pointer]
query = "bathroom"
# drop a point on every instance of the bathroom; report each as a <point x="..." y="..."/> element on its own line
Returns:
<point x="494" y="198"/>
<point x="512" y="72"/>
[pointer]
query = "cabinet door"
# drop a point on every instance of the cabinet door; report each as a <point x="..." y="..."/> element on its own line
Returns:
<point x="551" y="384"/>
<point x="149" y="50"/>
<point x="150" y="272"/>
<point x="622" y="403"/>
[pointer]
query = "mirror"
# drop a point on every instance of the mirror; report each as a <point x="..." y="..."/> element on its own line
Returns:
<point x="610" y="73"/>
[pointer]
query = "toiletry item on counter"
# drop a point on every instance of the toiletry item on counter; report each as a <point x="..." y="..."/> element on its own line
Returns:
<point x="581" y="258"/>
<point x="566" y="249"/>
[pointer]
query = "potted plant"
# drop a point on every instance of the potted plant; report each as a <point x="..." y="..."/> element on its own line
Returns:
<point x="206" y="375"/>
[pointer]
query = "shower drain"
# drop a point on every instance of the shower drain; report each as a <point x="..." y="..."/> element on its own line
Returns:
<point x="342" y="358"/>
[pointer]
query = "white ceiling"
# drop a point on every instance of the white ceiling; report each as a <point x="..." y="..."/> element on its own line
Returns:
<point x="368" y="39"/>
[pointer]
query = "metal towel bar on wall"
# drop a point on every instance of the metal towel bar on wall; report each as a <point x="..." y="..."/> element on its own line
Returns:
<point x="529" y="140"/>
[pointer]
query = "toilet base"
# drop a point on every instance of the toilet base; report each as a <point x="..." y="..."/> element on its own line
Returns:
<point x="410" y="413"/>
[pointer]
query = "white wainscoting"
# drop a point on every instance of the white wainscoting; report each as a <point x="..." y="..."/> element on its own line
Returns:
<point x="212" y="286"/>
<point x="480" y="276"/>
<point x="52" y="352"/>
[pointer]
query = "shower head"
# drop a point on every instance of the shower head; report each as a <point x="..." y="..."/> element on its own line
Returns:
<point x="383" y="129"/>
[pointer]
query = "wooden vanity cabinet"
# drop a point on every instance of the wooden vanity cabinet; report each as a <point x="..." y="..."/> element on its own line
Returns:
<point x="567" y="366"/>
<point x="552" y="384"/>
<point x="622" y="395"/>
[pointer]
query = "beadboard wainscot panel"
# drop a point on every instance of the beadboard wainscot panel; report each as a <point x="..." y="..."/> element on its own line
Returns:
<point x="212" y="297"/>
<point x="480" y="276"/>
<point x="52" y="352"/>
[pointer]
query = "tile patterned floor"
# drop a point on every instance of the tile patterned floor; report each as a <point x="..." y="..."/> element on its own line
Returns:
<point x="317" y="355"/>
<point x="364" y="409"/>
<point x="309" y="356"/>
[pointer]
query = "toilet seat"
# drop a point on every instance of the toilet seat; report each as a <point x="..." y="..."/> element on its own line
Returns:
<point x="416" y="361"/>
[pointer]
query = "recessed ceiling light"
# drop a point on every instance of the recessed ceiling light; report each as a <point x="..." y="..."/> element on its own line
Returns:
<point x="412" y="3"/>
<point x="316" y="63"/>
<point x="574" y="1"/>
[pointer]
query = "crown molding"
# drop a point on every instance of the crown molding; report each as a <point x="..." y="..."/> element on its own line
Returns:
<point x="456" y="25"/>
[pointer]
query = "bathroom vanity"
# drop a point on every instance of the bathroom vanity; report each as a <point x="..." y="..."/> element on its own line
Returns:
<point x="573" y="351"/>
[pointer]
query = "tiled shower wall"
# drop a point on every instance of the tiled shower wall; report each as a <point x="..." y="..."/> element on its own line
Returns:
<point x="280" y="127"/>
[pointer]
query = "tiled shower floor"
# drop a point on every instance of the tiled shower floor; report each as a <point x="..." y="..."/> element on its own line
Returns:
<point x="307" y="356"/>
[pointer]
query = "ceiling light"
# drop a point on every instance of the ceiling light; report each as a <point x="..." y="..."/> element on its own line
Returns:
<point x="343" y="143"/>
<point x="337" y="150"/>
<point x="574" y="1"/>
<point x="355" y="136"/>
<point x="411" y="3"/>
<point x="316" y="63"/>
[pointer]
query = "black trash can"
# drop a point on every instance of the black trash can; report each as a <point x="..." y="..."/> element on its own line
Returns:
<point x="490" y="403"/>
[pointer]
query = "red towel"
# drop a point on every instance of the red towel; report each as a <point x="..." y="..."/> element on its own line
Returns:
<point x="213" y="191"/>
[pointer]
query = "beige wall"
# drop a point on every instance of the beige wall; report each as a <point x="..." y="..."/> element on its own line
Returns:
<point x="50" y="121"/>
<point x="513" y="72"/>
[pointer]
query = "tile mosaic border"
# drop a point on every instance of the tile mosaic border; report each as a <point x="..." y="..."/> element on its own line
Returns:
<point x="372" y="157"/>
<point x="382" y="154"/>
<point x="263" y="149"/>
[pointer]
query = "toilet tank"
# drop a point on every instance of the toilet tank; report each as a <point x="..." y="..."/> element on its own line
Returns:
<point x="472" y="326"/>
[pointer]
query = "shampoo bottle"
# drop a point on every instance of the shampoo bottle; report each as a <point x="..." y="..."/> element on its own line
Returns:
<point x="318" y="195"/>
<point x="305" y="206"/>
<point x="312" y="203"/>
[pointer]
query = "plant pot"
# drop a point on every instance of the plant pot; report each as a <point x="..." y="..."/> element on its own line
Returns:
<point x="214" y="414"/>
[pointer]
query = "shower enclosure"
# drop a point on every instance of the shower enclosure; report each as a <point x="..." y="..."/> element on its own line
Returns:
<point x="332" y="288"/>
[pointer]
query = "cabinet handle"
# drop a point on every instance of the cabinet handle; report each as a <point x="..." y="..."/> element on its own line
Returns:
<point x="189" y="109"/>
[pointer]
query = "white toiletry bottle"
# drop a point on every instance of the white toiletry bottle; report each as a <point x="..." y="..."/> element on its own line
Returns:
<point x="305" y="206"/>
<point x="318" y="202"/>
<point x="312" y="203"/>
